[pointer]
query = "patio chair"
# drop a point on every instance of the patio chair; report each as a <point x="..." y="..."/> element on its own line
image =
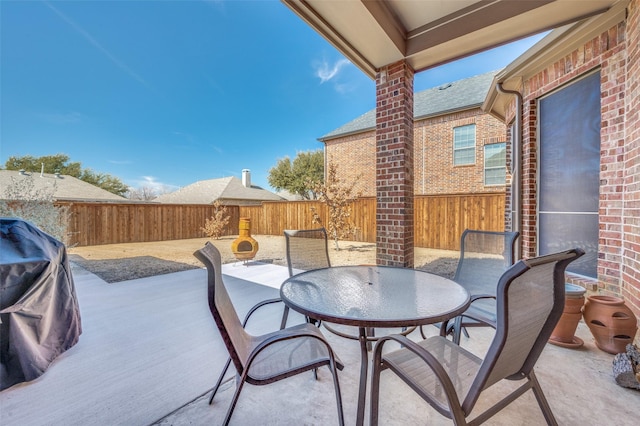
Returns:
<point x="484" y="256"/>
<point x="530" y="301"/>
<point x="305" y="249"/>
<point x="260" y="360"/>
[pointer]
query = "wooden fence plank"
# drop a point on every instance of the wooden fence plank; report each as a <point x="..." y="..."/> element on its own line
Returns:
<point x="439" y="220"/>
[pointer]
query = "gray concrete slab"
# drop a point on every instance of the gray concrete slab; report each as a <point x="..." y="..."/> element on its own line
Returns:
<point x="150" y="354"/>
<point x="578" y="384"/>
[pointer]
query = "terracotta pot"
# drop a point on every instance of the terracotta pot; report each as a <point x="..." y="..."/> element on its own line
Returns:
<point x="564" y="332"/>
<point x="611" y="322"/>
<point x="573" y="305"/>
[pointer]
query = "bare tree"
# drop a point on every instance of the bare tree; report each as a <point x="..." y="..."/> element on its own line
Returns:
<point x="144" y="193"/>
<point x="22" y="199"/>
<point x="215" y="225"/>
<point x="338" y="196"/>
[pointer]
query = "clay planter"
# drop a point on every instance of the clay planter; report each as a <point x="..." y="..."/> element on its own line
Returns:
<point x="611" y="322"/>
<point x="563" y="333"/>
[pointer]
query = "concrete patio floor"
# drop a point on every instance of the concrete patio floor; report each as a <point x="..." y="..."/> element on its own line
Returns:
<point x="150" y="354"/>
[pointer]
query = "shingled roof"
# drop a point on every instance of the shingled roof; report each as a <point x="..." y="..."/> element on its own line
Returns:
<point x="445" y="99"/>
<point x="65" y="188"/>
<point x="227" y="189"/>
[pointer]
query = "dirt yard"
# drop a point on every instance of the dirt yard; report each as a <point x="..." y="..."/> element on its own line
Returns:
<point x="121" y="262"/>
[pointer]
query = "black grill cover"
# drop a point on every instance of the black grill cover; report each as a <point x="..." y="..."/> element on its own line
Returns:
<point x="39" y="313"/>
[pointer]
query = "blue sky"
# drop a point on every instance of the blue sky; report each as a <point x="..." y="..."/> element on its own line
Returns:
<point x="165" y="93"/>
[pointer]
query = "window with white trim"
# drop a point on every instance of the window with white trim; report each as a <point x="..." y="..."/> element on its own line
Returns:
<point x="464" y="145"/>
<point x="495" y="164"/>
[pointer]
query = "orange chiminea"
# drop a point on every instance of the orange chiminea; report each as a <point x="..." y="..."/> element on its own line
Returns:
<point x="244" y="247"/>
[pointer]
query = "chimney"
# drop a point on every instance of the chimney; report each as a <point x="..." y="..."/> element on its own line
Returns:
<point x="42" y="170"/>
<point x="246" y="178"/>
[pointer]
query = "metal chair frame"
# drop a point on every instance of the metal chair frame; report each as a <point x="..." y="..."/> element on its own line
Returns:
<point x="246" y="350"/>
<point x="530" y="301"/>
<point x="472" y="279"/>
<point x="320" y="261"/>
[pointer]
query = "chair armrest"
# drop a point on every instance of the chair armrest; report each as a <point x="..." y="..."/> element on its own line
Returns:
<point x="258" y="306"/>
<point x="294" y="333"/>
<point x="446" y="328"/>
<point x="478" y="317"/>
<point x="429" y="360"/>
<point x="481" y="296"/>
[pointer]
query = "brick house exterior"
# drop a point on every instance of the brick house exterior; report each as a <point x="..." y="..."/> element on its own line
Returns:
<point x="608" y="44"/>
<point x="434" y="170"/>
<point x="437" y="111"/>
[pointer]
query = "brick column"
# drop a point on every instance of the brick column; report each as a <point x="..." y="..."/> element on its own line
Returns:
<point x="394" y="165"/>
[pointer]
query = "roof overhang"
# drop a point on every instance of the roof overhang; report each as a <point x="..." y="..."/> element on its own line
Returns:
<point x="556" y="45"/>
<point x="373" y="34"/>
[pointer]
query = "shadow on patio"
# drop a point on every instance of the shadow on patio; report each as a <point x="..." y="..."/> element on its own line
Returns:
<point x="150" y="353"/>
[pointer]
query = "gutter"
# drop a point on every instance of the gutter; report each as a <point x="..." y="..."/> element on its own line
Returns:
<point x="516" y="169"/>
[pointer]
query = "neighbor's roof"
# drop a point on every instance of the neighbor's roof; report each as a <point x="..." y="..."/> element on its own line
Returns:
<point x="208" y="191"/>
<point x="289" y="196"/>
<point x="64" y="187"/>
<point x="447" y="98"/>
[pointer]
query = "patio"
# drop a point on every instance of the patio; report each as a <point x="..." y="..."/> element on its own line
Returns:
<point x="150" y="354"/>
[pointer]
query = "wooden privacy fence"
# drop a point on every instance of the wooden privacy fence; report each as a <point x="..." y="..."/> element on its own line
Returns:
<point x="271" y="218"/>
<point x="439" y="219"/>
<point x="113" y="223"/>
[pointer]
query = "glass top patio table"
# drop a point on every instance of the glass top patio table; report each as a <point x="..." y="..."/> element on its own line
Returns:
<point x="373" y="297"/>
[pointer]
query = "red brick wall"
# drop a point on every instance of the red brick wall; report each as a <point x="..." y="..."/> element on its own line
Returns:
<point x="355" y="160"/>
<point x="607" y="52"/>
<point x="631" y="213"/>
<point x="528" y="230"/>
<point x="434" y="172"/>
<point x="508" y="208"/>
<point x="433" y="142"/>
<point x="394" y="165"/>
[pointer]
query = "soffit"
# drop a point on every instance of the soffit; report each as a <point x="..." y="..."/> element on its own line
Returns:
<point x="556" y="45"/>
<point x="373" y="34"/>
